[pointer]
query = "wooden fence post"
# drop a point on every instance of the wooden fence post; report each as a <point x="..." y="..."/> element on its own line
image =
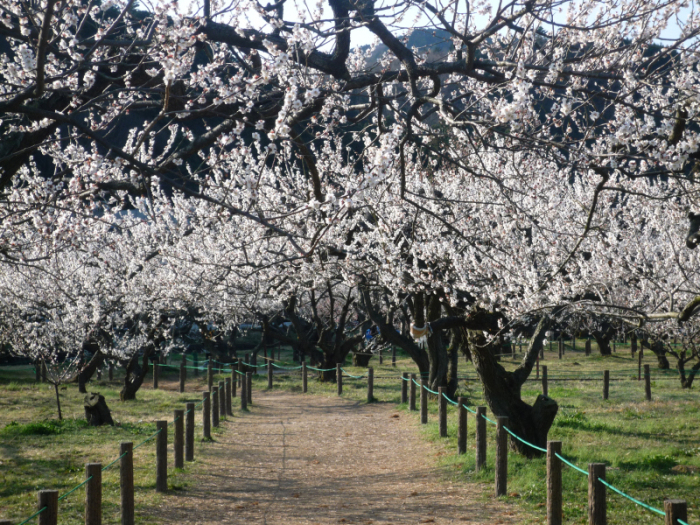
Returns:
<point x="675" y="509"/>
<point x="206" y="416"/>
<point x="179" y="437"/>
<point x="404" y="387"/>
<point x="210" y="375"/>
<point x="393" y="355"/>
<point x="339" y="378"/>
<point x="370" y="384"/>
<point x="442" y="412"/>
<point x="215" y="407"/>
<point x="189" y="432"/>
<point x="647" y="382"/>
<point x="48" y="499"/>
<point x="596" y="494"/>
<point x="233" y="381"/>
<point x="412" y="394"/>
<point x="381" y="359"/>
<point x="545" y="387"/>
<point x="222" y="400"/>
<point x="244" y="395"/>
<point x="183" y="376"/>
<point x="156" y="370"/>
<point x="461" y="426"/>
<point x="606" y="383"/>
<point x="269" y="374"/>
<point x="304" y="378"/>
<point x="554" y="485"/>
<point x="249" y="386"/>
<point x="227" y="388"/>
<point x="93" y="494"/>
<point x="423" y="403"/>
<point x="241" y="375"/>
<point x="480" y="438"/>
<point x="561" y="348"/>
<point x="501" y="456"/>
<point x="162" y="456"/>
<point x="639" y="364"/>
<point x="126" y="482"/>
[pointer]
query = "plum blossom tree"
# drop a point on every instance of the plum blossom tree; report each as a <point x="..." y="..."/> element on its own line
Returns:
<point x="547" y="154"/>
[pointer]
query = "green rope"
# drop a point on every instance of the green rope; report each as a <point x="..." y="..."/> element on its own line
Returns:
<point x="469" y="409"/>
<point x="489" y="420"/>
<point x="677" y="519"/>
<point x="431" y="391"/>
<point x="320" y="369"/>
<point x="570" y="464"/>
<point x="405" y="378"/>
<point x="74" y="489"/>
<point x="448" y="399"/>
<point x="34" y="515"/>
<point x="286" y="367"/>
<point x="523" y="441"/>
<point x="640" y="503"/>
<point x="148" y="439"/>
<point x="113" y="462"/>
<point x="350" y="375"/>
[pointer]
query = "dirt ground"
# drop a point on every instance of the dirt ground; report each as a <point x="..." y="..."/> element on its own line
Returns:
<point x="302" y="459"/>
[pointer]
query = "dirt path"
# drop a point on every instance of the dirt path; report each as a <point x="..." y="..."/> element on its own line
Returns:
<point x="299" y="459"/>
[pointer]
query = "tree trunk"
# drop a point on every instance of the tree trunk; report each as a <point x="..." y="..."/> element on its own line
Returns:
<point x="361" y="358"/>
<point x="58" y="402"/>
<point x="87" y="371"/>
<point x="135" y="374"/>
<point x="603" y="339"/>
<point x="660" y="352"/>
<point x="502" y="393"/>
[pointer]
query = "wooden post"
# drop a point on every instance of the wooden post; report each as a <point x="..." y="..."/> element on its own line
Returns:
<point x="606" y="383"/>
<point x="215" y="407"/>
<point x="189" y="432"/>
<point x="545" y="387"/>
<point x="233" y="381"/>
<point x="241" y="375"/>
<point x="370" y="384"/>
<point x="249" y="386"/>
<point x="48" y="499"/>
<point x="156" y="367"/>
<point x="182" y="376"/>
<point x="423" y="403"/>
<point x="222" y="400"/>
<point x="461" y="426"/>
<point x="206" y="416"/>
<point x="269" y="374"/>
<point x="244" y="395"/>
<point x="501" y="456"/>
<point x="412" y="394"/>
<point x="126" y="482"/>
<point x="561" y="347"/>
<point x="304" y="378"/>
<point x="393" y="355"/>
<point x="442" y="412"/>
<point x="111" y="371"/>
<point x="538" y="367"/>
<point x="647" y="382"/>
<point x="404" y="387"/>
<point x="229" y="410"/>
<point x="93" y="494"/>
<point x="210" y="375"/>
<point x="381" y="359"/>
<point x="675" y="509"/>
<point x="597" y="512"/>
<point x="614" y="346"/>
<point x="162" y="457"/>
<point x="480" y="438"/>
<point x="179" y="439"/>
<point x="554" y="485"/>
<point x="339" y="378"/>
<point x="639" y="364"/>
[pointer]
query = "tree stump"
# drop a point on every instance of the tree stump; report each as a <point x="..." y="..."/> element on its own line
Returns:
<point x="361" y="359"/>
<point x="96" y="410"/>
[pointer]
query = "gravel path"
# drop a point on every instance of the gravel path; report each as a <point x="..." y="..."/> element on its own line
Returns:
<point x="302" y="459"/>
